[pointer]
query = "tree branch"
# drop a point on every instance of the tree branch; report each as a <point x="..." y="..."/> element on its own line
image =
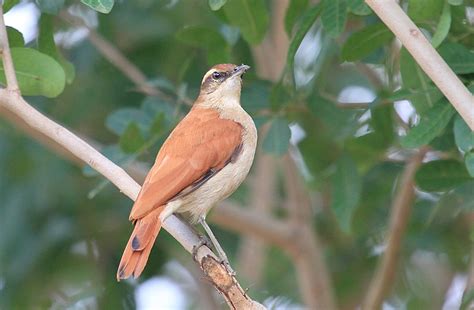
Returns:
<point x="12" y="83"/>
<point x="399" y="217"/>
<point x="118" y="59"/>
<point x="426" y="56"/>
<point x="221" y="278"/>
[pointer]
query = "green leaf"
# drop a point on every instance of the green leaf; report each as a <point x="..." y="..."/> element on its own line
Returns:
<point x="334" y="16"/>
<point x="467" y="298"/>
<point x="431" y="125"/>
<point x="8" y="4"/>
<point x="295" y="10"/>
<point x="424" y="10"/>
<point x="277" y="139"/>
<point x="455" y="2"/>
<point x="50" y="6"/>
<point x="461" y="196"/>
<point x="382" y="123"/>
<point x="119" y="120"/>
<point x="358" y="7"/>
<point x="346" y="189"/>
<point x="415" y="79"/>
<point x="256" y="96"/>
<point x="250" y="16"/>
<point x="362" y="43"/>
<point x="338" y="123"/>
<point x="47" y="45"/>
<point x="152" y="107"/>
<point x="469" y="161"/>
<point x="102" y="6"/>
<point x="131" y="140"/>
<point x="15" y="37"/>
<point x="306" y="22"/>
<point x="441" y="175"/>
<point x="199" y="36"/>
<point x="416" y="94"/>
<point x="444" y="24"/>
<point x="458" y="57"/>
<point x="216" y="4"/>
<point x="463" y="135"/>
<point x="37" y="73"/>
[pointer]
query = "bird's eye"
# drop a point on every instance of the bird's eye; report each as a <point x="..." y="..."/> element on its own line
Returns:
<point x="216" y="75"/>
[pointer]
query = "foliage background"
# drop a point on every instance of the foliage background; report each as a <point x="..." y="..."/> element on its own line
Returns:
<point x="357" y="104"/>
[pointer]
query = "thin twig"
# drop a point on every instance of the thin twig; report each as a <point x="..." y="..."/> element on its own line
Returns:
<point x="426" y="56"/>
<point x="118" y="59"/>
<point x="12" y="83"/>
<point x="400" y="214"/>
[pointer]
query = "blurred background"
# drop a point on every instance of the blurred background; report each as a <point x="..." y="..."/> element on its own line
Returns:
<point x="341" y="107"/>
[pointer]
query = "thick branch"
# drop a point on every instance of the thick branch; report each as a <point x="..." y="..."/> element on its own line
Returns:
<point x="426" y="56"/>
<point x="12" y="83"/>
<point x="400" y="214"/>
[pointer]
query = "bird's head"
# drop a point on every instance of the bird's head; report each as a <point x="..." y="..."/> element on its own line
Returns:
<point x="223" y="81"/>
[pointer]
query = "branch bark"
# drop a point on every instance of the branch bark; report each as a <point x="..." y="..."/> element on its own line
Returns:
<point x="11" y="100"/>
<point x="400" y="213"/>
<point x="426" y="56"/>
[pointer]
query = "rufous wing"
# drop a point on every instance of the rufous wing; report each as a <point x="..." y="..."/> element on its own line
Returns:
<point x="201" y="142"/>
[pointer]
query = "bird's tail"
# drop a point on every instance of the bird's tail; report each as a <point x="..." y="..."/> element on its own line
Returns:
<point x="135" y="255"/>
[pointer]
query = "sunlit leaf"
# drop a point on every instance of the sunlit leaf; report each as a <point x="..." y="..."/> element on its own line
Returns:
<point x="441" y="175"/>
<point x="346" y="188"/>
<point x="334" y="16"/>
<point x="431" y="125"/>
<point x="37" y="73"/>
<point x="102" y="6"/>
<point x="360" y="44"/>
<point x="277" y="139"/>
<point x="251" y="16"/>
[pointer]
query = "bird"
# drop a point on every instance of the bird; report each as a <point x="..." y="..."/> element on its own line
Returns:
<point x="202" y="162"/>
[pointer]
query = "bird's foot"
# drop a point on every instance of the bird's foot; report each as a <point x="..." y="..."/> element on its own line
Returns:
<point x="203" y="240"/>
<point x="226" y="264"/>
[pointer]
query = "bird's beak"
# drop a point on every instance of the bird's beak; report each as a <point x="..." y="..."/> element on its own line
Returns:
<point x="239" y="70"/>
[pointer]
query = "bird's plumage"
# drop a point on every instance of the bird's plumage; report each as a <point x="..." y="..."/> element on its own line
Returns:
<point x="203" y="161"/>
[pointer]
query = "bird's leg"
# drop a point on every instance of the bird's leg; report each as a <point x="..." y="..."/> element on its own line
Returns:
<point x="203" y="239"/>
<point x="215" y="243"/>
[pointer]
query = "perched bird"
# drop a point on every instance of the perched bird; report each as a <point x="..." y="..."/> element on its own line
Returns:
<point x="203" y="161"/>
